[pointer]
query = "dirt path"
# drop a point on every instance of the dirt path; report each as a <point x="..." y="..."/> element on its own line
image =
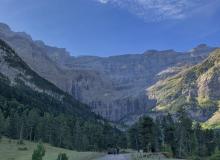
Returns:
<point x="116" y="157"/>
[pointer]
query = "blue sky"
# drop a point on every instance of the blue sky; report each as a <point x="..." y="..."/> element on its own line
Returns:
<point x="112" y="27"/>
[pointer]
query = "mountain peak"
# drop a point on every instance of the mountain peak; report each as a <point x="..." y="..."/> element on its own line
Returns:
<point x="201" y="49"/>
<point x="4" y="27"/>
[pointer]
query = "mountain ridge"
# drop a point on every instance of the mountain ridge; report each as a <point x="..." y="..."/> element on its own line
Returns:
<point x="195" y="89"/>
<point x="15" y="73"/>
<point x="113" y="87"/>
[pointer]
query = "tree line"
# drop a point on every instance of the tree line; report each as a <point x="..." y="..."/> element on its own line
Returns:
<point x="62" y="131"/>
<point x="180" y="136"/>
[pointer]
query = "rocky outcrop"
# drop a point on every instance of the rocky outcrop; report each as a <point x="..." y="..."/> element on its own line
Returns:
<point x="196" y="89"/>
<point x="113" y="87"/>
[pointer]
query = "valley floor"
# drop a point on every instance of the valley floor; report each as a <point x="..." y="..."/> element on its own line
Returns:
<point x="158" y="156"/>
<point x="9" y="150"/>
<point x="116" y="157"/>
<point x="134" y="156"/>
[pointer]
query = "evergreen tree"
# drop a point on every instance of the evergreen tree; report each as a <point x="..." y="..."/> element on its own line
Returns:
<point x="49" y="128"/>
<point x="209" y="142"/>
<point x="200" y="147"/>
<point x="133" y="136"/>
<point x="32" y="121"/>
<point x="183" y="135"/>
<point x="217" y="140"/>
<point x="159" y="136"/>
<point x="13" y="127"/>
<point x="22" y="125"/>
<point x="85" y="143"/>
<point x="78" y="136"/>
<point x="147" y="134"/>
<point x="2" y="124"/>
<point x="168" y="127"/>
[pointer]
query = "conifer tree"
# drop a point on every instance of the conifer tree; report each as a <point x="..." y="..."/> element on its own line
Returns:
<point x="147" y="134"/>
<point x="2" y="124"/>
<point x="13" y="126"/>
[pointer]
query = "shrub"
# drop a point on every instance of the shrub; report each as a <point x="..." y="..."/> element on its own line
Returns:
<point x="20" y="142"/>
<point x="22" y="148"/>
<point x="167" y="154"/>
<point x="39" y="152"/>
<point x="62" y="156"/>
<point x="216" y="156"/>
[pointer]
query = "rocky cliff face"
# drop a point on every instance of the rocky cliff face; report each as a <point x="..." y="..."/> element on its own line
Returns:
<point x="196" y="89"/>
<point x="16" y="71"/>
<point x="23" y="90"/>
<point x="113" y="87"/>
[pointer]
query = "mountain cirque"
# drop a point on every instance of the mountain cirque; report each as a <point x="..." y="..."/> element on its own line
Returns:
<point x="114" y="87"/>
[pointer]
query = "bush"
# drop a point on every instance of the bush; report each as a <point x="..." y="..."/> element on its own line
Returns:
<point x="22" y="148"/>
<point x="62" y="156"/>
<point x="216" y="156"/>
<point x="20" y="142"/>
<point x="167" y="154"/>
<point x="39" y="152"/>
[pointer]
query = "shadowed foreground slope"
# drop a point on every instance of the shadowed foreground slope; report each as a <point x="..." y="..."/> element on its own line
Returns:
<point x="9" y="151"/>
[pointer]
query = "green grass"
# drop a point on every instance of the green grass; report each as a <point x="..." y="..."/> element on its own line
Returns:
<point x="9" y="151"/>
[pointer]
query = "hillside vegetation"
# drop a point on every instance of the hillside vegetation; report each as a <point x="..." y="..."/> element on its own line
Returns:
<point x="169" y="137"/>
<point x="196" y="89"/>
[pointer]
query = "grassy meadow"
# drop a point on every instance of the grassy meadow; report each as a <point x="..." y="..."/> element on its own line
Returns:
<point x="9" y="150"/>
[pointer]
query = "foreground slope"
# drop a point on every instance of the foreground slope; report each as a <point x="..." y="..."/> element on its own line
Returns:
<point x="196" y="89"/>
<point x="9" y="149"/>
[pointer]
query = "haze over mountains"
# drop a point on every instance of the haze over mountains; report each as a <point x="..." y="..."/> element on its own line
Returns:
<point x="114" y="87"/>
